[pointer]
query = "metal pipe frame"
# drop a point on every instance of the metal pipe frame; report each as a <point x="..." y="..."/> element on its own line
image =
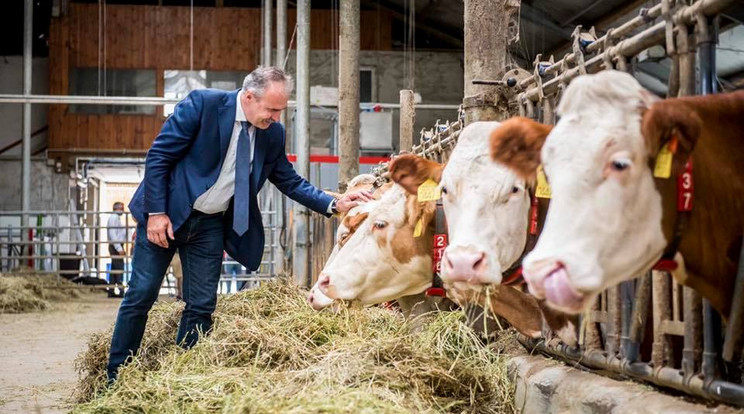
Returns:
<point x="28" y="21"/>
<point x="716" y="389"/>
<point x="301" y="229"/>
<point x="156" y="101"/>
<point x="655" y="35"/>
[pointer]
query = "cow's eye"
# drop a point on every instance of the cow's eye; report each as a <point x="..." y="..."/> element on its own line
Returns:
<point x="444" y="190"/>
<point x="344" y="236"/>
<point x="515" y="189"/>
<point x="620" y="164"/>
<point x="379" y="224"/>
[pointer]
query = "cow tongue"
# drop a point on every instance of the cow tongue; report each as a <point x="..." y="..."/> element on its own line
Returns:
<point x="559" y="291"/>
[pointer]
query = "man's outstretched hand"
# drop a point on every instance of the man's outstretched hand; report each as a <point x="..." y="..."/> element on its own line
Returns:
<point x="159" y="229"/>
<point x="351" y="200"/>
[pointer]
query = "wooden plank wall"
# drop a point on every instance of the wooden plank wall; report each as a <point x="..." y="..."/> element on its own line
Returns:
<point x="154" y="37"/>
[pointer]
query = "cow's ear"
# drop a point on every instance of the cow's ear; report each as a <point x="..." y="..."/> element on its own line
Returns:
<point x="410" y="171"/>
<point x="353" y="222"/>
<point x="671" y="119"/>
<point x="517" y="143"/>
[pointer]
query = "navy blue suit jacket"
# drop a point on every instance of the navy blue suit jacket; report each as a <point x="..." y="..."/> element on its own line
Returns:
<point x="186" y="158"/>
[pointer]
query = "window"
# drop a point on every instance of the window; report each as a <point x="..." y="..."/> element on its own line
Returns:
<point x="367" y="85"/>
<point x="112" y="82"/>
<point x="178" y="83"/>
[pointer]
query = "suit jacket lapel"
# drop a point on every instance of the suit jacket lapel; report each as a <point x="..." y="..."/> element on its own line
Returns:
<point x="227" y="121"/>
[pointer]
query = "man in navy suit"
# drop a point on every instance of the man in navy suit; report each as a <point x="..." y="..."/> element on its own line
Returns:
<point x="202" y="175"/>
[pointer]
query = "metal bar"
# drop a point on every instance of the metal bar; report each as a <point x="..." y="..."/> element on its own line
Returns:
<point x="301" y="257"/>
<point x="281" y="32"/>
<point x="268" y="6"/>
<point x="156" y="101"/>
<point x="735" y="327"/>
<point x="655" y="35"/>
<point x="716" y="389"/>
<point x="28" y="21"/>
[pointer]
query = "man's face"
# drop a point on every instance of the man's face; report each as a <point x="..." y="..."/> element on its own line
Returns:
<point x="119" y="209"/>
<point x="263" y="111"/>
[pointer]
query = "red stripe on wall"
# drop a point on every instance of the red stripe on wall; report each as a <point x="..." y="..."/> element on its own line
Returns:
<point x="333" y="159"/>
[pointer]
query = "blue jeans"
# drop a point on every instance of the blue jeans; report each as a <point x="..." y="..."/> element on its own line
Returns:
<point x="200" y="243"/>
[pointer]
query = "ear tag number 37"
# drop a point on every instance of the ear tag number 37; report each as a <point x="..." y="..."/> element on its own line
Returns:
<point x="429" y="191"/>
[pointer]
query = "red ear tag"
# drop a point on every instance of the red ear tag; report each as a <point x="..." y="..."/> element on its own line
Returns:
<point x="685" y="188"/>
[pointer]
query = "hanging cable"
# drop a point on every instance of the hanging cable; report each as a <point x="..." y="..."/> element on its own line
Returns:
<point x="291" y="42"/>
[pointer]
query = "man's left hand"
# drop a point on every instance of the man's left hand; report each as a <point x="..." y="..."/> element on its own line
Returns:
<point x="351" y="200"/>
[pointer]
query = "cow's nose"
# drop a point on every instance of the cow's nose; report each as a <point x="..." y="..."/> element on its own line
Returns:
<point x="464" y="264"/>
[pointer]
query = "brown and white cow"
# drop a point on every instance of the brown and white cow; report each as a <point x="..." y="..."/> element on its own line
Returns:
<point x="610" y="220"/>
<point x="347" y="225"/>
<point x="382" y="260"/>
<point x="487" y="208"/>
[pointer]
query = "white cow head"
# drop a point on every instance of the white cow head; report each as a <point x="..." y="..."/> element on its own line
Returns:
<point x="604" y="221"/>
<point x="382" y="260"/>
<point x="346" y="227"/>
<point x="486" y="206"/>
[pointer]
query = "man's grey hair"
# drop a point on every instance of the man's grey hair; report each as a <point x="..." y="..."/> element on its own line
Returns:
<point x="258" y="81"/>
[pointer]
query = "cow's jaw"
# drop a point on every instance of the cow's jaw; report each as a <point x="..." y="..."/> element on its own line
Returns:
<point x="603" y="225"/>
<point x="366" y="268"/>
<point x="487" y="212"/>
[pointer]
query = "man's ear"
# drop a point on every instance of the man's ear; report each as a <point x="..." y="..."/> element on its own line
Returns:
<point x="410" y="171"/>
<point x="517" y="143"/>
<point x="667" y="119"/>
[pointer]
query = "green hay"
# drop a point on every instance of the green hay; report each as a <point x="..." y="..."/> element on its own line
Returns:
<point x="269" y="352"/>
<point x="20" y="293"/>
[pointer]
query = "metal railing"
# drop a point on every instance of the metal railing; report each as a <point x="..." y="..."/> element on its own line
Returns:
<point x="652" y="328"/>
<point x="75" y="245"/>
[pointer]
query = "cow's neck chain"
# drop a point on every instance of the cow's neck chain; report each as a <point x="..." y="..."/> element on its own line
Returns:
<point x="513" y="275"/>
<point x="685" y="195"/>
<point x="437" y="252"/>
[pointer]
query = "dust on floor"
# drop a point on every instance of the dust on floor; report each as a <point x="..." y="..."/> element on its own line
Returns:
<point x="37" y="351"/>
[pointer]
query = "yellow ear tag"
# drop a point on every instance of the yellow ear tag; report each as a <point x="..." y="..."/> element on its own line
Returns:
<point x="419" y="229"/>
<point x="429" y="191"/>
<point x="543" y="188"/>
<point x="663" y="167"/>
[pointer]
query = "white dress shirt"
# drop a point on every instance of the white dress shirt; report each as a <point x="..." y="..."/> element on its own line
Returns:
<point x="217" y="198"/>
<point x="117" y="234"/>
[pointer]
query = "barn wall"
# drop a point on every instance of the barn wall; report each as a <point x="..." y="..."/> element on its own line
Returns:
<point x="153" y="37"/>
<point x="438" y="80"/>
<point x="48" y="189"/>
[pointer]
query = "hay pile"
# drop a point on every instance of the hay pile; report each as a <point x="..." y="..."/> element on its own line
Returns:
<point x="270" y="353"/>
<point x="20" y="293"/>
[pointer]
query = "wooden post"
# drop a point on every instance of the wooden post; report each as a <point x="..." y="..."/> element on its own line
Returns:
<point x="486" y="38"/>
<point x="407" y="119"/>
<point x="348" y="92"/>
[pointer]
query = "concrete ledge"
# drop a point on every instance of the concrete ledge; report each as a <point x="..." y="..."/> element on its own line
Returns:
<point x="546" y="386"/>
